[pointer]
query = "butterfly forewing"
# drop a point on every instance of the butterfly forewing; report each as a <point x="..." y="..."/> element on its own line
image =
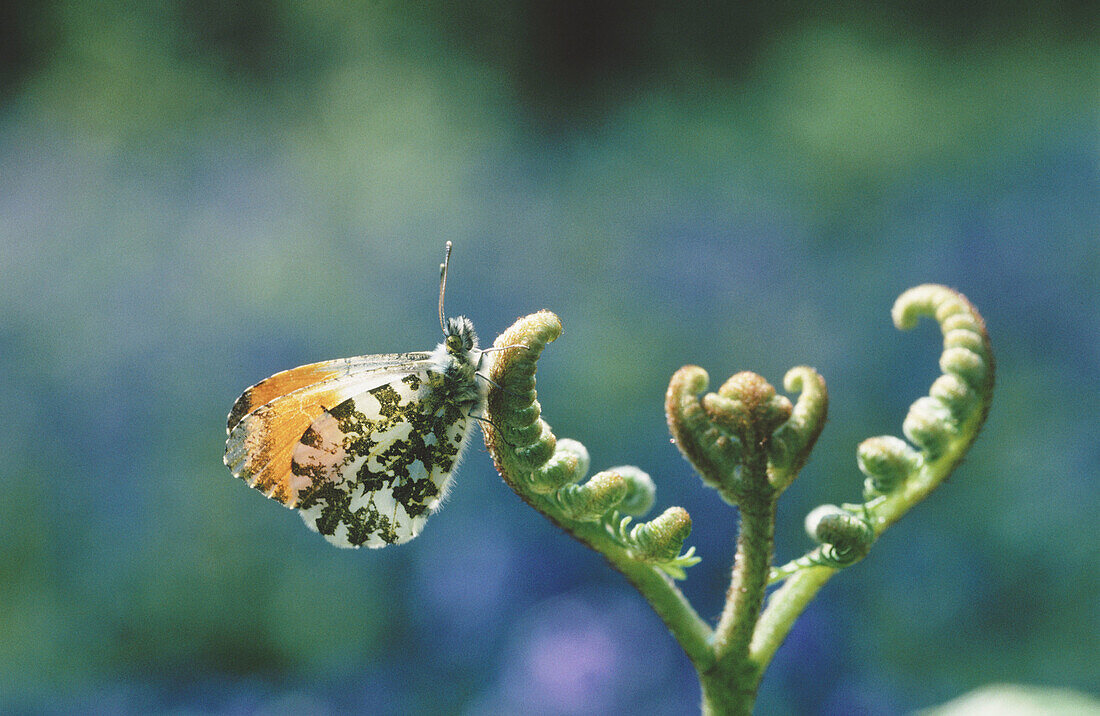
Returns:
<point x="314" y="374"/>
<point x="269" y="418"/>
<point x="377" y="464"/>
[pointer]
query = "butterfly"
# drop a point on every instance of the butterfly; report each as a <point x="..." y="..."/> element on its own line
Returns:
<point x="364" y="448"/>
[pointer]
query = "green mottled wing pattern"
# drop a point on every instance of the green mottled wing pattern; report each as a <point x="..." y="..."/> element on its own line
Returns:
<point x="377" y="464"/>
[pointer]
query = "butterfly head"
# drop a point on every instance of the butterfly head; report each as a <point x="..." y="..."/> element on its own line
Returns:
<point x="460" y="336"/>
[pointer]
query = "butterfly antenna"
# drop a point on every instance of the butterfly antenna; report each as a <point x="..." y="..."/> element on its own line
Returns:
<point x="443" y="284"/>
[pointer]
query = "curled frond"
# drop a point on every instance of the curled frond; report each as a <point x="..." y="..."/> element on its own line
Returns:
<point x="943" y="424"/>
<point x="746" y="423"/>
<point x="568" y="465"/>
<point x="592" y="500"/>
<point x="724" y="432"/>
<point x="929" y="425"/>
<point x="845" y="537"/>
<point x="754" y="409"/>
<point x="714" y="452"/>
<point x="792" y="442"/>
<point x="640" y="493"/>
<point x="887" y="462"/>
<point x="657" y="542"/>
<point x="519" y="440"/>
<point x="959" y="399"/>
<point x="545" y="471"/>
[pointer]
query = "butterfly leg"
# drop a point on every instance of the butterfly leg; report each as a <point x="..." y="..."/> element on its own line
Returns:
<point x="489" y="380"/>
<point x="497" y="385"/>
<point x="491" y="349"/>
<point x="482" y="419"/>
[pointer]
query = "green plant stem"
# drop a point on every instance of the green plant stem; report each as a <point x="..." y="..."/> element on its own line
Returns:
<point x="791" y="599"/>
<point x="750" y="576"/>
<point x="689" y="629"/>
<point x="692" y="633"/>
<point x="730" y="686"/>
<point x="784" y="607"/>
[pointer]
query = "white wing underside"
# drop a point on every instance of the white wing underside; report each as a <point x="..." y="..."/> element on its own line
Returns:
<point x="365" y="452"/>
<point x="387" y="478"/>
<point x="261" y="437"/>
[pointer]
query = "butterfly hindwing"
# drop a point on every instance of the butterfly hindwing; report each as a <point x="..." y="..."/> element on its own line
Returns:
<point x="378" y="463"/>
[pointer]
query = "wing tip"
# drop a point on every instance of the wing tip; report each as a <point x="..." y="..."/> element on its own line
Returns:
<point x="242" y="406"/>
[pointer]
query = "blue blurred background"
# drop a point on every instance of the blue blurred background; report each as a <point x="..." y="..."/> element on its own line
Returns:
<point x="194" y="195"/>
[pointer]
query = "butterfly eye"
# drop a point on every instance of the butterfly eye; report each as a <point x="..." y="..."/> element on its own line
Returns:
<point x="454" y="343"/>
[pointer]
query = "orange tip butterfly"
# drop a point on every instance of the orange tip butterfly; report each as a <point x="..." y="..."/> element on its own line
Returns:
<point x="364" y="448"/>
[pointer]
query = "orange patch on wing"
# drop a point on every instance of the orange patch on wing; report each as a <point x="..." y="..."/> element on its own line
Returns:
<point x="281" y="384"/>
<point x="262" y="439"/>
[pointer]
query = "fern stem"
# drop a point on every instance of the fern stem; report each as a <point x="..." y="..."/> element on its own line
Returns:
<point x="784" y="607"/>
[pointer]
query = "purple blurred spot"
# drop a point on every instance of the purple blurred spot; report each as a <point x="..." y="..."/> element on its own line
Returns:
<point x="590" y="653"/>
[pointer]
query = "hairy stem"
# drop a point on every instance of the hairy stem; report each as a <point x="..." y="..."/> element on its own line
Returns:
<point x="730" y="687"/>
<point x="692" y="633"/>
<point x="784" y="608"/>
<point x="750" y="575"/>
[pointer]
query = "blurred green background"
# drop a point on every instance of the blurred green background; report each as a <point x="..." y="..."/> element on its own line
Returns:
<point x="194" y="195"/>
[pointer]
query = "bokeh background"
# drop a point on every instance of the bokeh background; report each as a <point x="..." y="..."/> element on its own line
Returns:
<point x="196" y="194"/>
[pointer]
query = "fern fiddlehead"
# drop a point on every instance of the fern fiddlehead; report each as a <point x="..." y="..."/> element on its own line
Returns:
<point x="941" y="427"/>
<point x="547" y="473"/>
<point x="749" y="444"/>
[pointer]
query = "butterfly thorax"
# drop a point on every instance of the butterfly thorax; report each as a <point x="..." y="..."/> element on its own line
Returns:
<point x="456" y="360"/>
